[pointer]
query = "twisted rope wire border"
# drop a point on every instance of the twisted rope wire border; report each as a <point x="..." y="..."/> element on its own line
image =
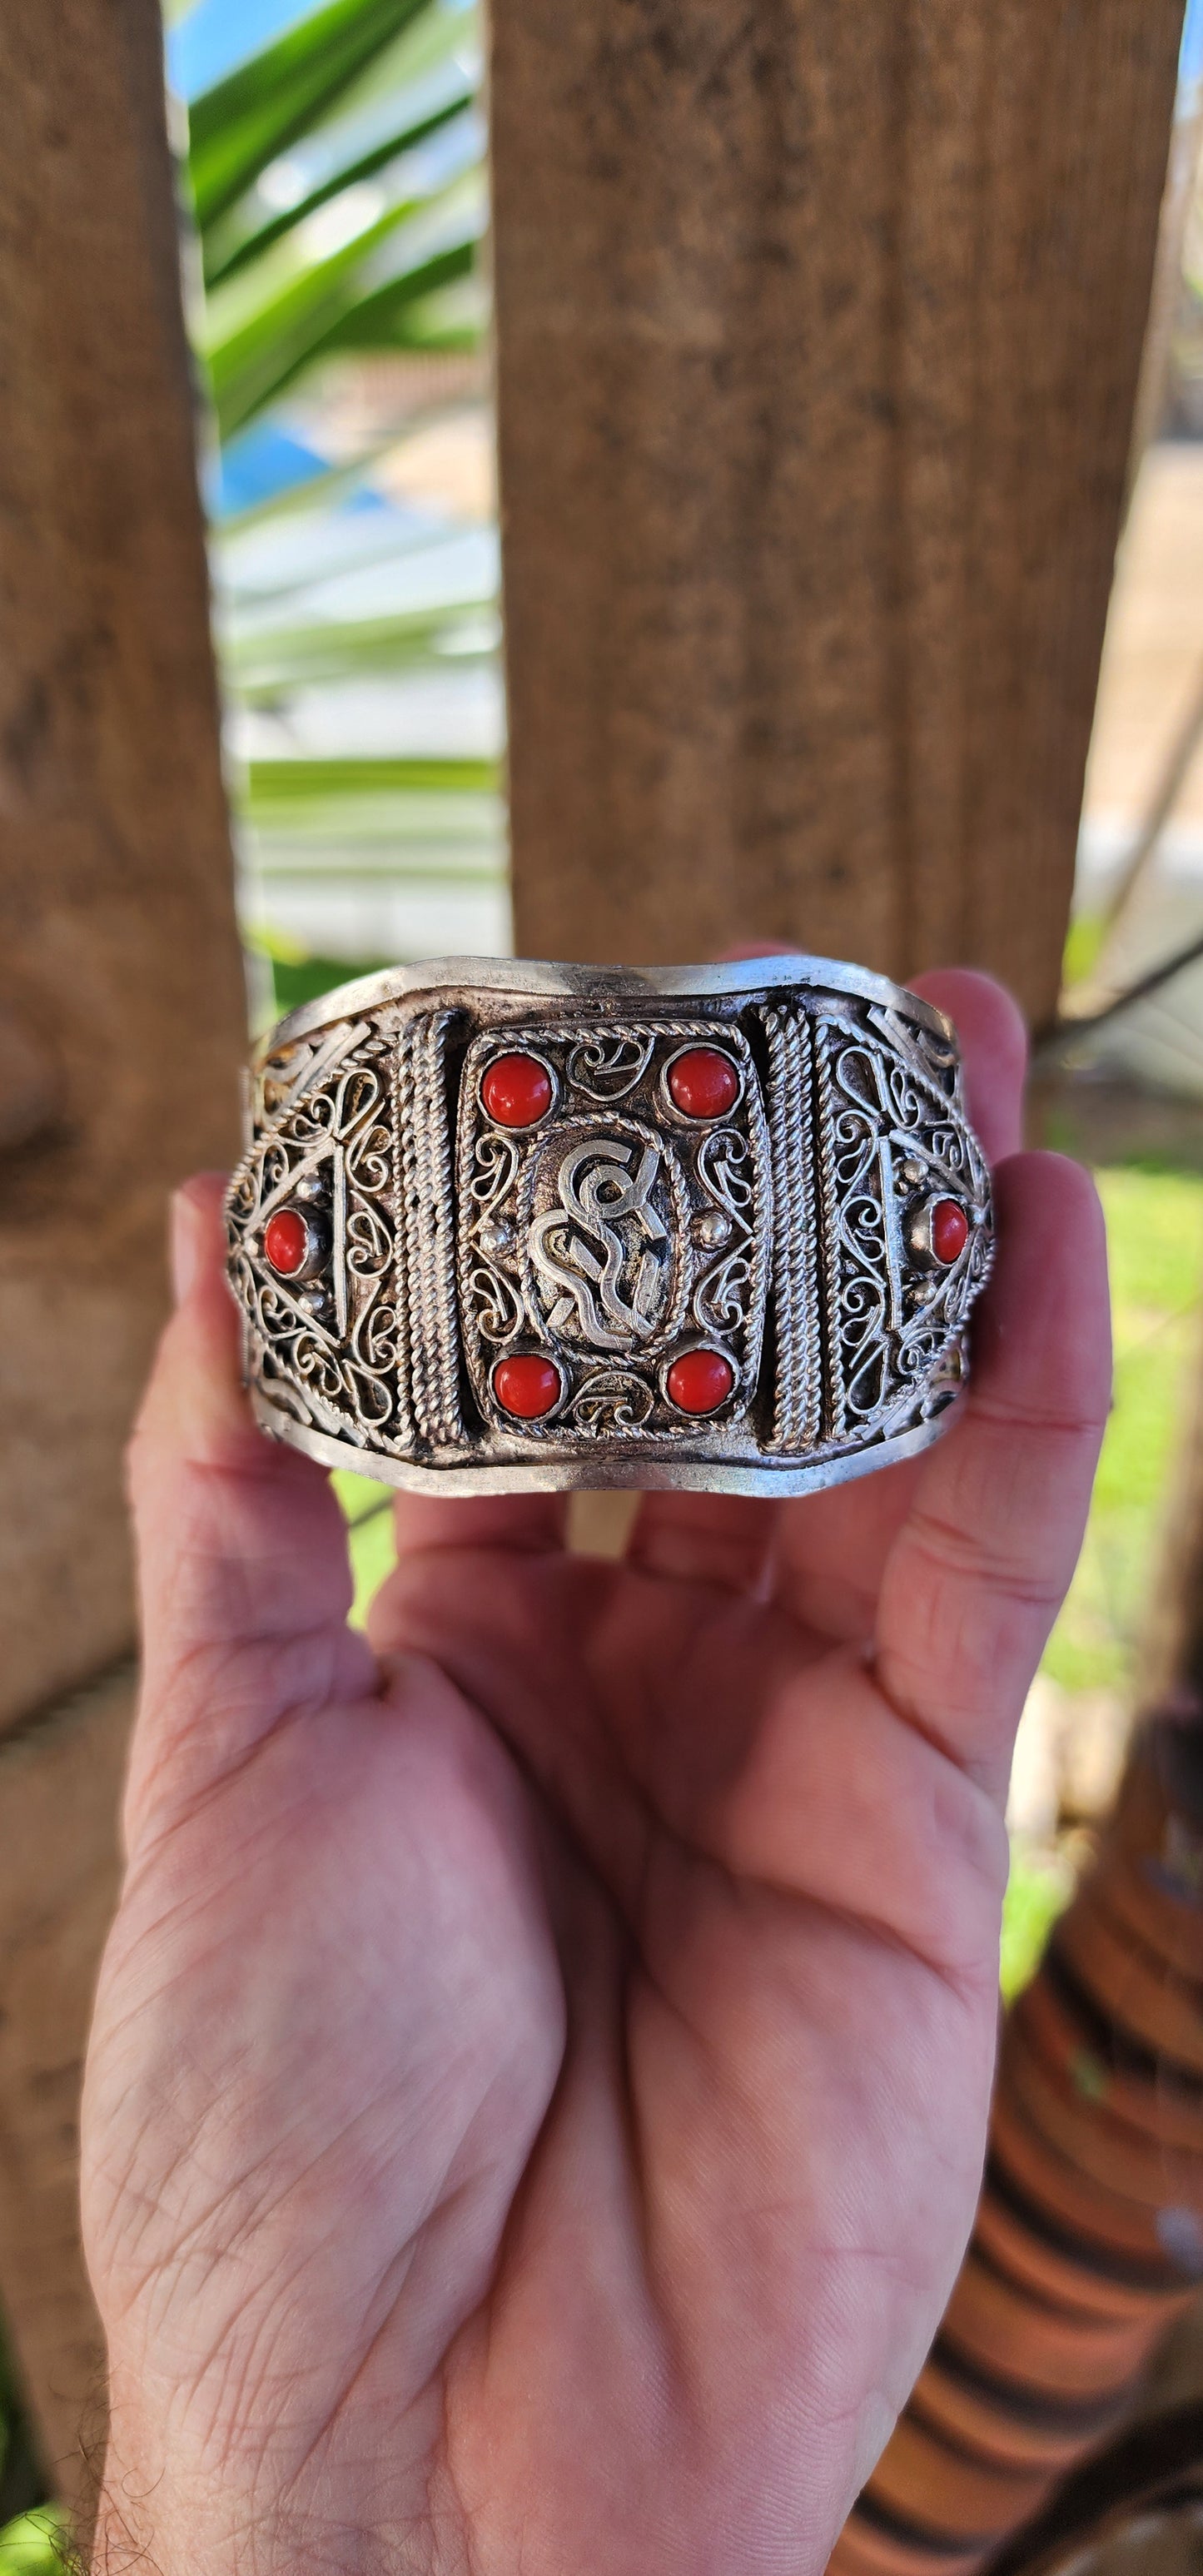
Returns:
<point x="833" y="1370"/>
<point x="797" y="1391"/>
<point x="431" y="1325"/>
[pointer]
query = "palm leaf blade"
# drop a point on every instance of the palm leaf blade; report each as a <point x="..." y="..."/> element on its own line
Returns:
<point x="247" y="119"/>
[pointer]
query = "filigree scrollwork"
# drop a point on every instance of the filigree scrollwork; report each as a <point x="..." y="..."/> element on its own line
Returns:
<point x="602" y="1254"/>
<point x="724" y="1294"/>
<point x="327" y="1351"/>
<point x="605" y="1232"/>
<point x="725" y="1170"/>
<point x="612" y="1403"/>
<point x="494" y="1164"/>
<point x="493" y="1296"/>
<point x="896" y="1138"/>
<point x="497" y="1303"/>
<point x="608" y="1063"/>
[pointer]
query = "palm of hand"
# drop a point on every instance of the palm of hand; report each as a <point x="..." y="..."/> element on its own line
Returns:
<point x="536" y="2105"/>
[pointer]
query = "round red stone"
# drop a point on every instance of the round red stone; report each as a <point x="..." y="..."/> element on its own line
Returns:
<point x="700" y="1381"/>
<point x="703" y="1083"/>
<point x="286" y="1242"/>
<point x="949" y="1230"/>
<point x="516" y="1091"/>
<point x="526" y="1386"/>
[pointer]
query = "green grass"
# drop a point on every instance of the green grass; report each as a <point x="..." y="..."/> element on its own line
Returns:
<point x="36" y="2543"/>
<point x="1155" y="1244"/>
<point x="369" y="1514"/>
<point x="1039" y="1888"/>
<point x="297" y="977"/>
<point x="1083" y="947"/>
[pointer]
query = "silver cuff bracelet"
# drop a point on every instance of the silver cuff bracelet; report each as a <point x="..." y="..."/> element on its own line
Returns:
<point x="510" y="1227"/>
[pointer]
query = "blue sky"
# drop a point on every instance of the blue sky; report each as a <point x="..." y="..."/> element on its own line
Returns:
<point x="216" y="34"/>
<point x="1192" y="42"/>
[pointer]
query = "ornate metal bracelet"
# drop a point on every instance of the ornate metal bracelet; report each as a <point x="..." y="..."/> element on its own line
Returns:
<point x="510" y="1226"/>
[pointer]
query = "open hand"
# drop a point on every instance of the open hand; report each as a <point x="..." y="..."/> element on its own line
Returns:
<point x="539" y="2083"/>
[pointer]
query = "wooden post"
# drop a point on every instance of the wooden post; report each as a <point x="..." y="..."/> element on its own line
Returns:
<point x="121" y="1023"/>
<point x="818" y="331"/>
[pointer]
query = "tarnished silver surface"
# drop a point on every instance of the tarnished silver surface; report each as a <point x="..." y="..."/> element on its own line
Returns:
<point x="790" y="1236"/>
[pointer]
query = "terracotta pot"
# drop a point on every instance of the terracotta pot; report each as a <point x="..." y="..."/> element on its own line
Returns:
<point x="1082" y="2050"/>
<point x="866" y="2548"/>
<point x="929" y="2482"/>
<point x="1009" y="2332"/>
<point x="1130" y="1984"/>
<point x="1158" y="1811"/>
<point x="1061" y="2266"/>
<point x="1141" y="1812"/>
<point x="1141" y="1896"/>
<point x="1079" y="2205"/>
<point x="1105" y="2149"/>
<point x="1010" y="2429"/>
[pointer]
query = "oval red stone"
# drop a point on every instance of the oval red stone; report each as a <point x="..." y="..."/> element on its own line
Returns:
<point x="700" y="1381"/>
<point x="949" y="1230"/>
<point x="286" y="1241"/>
<point x="526" y="1386"/>
<point x="703" y="1083"/>
<point x="516" y="1091"/>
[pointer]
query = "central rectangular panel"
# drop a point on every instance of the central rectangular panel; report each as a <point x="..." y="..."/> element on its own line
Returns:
<point x="613" y="1220"/>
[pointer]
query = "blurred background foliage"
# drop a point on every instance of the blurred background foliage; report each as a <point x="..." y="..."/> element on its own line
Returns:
<point x="33" y="2534"/>
<point x="335" y="190"/>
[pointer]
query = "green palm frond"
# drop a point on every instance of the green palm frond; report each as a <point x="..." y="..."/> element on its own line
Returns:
<point x="234" y="246"/>
<point x="248" y="119"/>
<point x="338" y="184"/>
<point x="423" y="81"/>
<point x="360" y="296"/>
<point x="284" y="782"/>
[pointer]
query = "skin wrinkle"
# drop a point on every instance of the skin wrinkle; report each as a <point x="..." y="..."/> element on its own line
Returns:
<point x="632" y="1905"/>
<point x="235" y="2190"/>
<point x="949" y="1553"/>
<point x="195" y="1807"/>
<point x="253" y="2218"/>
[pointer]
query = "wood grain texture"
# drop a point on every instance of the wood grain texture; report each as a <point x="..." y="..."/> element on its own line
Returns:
<point x="122" y="1022"/>
<point x="59" y="1789"/>
<point x="120" y="980"/>
<point x="818" y="331"/>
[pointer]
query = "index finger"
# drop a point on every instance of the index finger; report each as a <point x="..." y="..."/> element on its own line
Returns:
<point x="979" y="1569"/>
<point x="834" y="1545"/>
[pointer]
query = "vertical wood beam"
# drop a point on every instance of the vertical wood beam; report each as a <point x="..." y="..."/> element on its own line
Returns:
<point x="122" y="1021"/>
<point x="818" y="330"/>
<point x="59" y="1787"/>
<point x="119" y="969"/>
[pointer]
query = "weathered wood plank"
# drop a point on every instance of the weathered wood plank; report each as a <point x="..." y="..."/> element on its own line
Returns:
<point x="120" y="982"/>
<point x="818" y="336"/>
<point x="121" y="1025"/>
<point x="59" y="1788"/>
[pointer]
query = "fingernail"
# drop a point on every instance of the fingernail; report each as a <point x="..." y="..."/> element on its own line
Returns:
<point x="186" y="1243"/>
